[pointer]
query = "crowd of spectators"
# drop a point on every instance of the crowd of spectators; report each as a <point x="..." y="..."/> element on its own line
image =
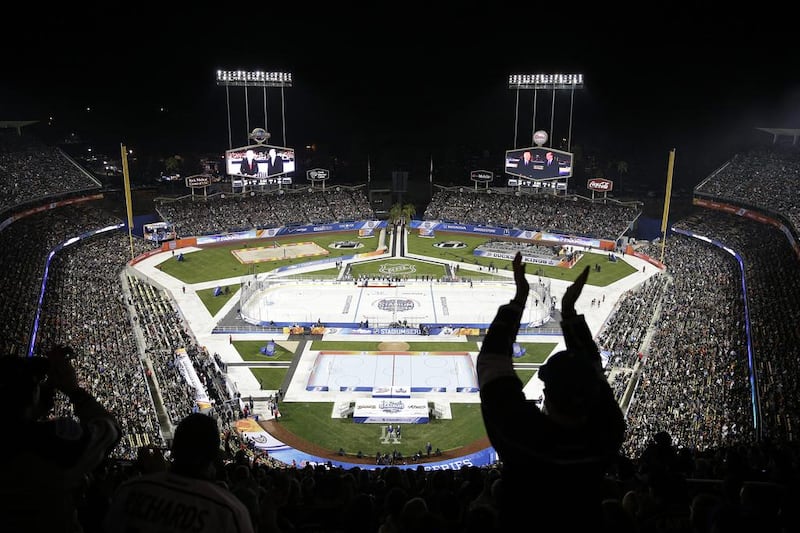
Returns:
<point x="694" y="380"/>
<point x="195" y="215"/>
<point x="571" y="215"/>
<point x="764" y="178"/>
<point x="771" y="271"/>
<point x="26" y="245"/>
<point x="625" y="332"/>
<point x="665" y="490"/>
<point x="31" y="170"/>
<point x="165" y="333"/>
<point x="84" y="308"/>
<point x="692" y="456"/>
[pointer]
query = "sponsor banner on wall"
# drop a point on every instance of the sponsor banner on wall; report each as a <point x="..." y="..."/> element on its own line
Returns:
<point x="600" y="185"/>
<point x="525" y="258"/>
<point x="391" y="411"/>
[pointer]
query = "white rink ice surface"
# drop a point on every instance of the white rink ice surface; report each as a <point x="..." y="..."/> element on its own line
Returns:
<point x="414" y="371"/>
<point x="472" y="309"/>
<point x="418" y="302"/>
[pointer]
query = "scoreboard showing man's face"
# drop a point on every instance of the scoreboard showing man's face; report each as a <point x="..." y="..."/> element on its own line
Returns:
<point x="257" y="161"/>
<point x="538" y="163"/>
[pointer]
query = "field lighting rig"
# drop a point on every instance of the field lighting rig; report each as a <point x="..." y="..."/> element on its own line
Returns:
<point x="258" y="78"/>
<point x="254" y="78"/>
<point x="545" y="81"/>
<point x="551" y="82"/>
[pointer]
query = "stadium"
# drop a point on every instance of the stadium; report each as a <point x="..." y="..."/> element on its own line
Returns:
<point x="324" y="338"/>
<point x="310" y="307"/>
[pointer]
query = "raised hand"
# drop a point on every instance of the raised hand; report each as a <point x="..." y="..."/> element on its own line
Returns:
<point x="572" y="293"/>
<point x="62" y="374"/>
<point x="523" y="287"/>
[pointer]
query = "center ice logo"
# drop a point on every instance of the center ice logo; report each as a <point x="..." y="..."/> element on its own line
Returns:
<point x="397" y="268"/>
<point x="396" y="304"/>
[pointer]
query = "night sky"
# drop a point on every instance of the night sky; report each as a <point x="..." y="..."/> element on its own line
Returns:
<point x="401" y="86"/>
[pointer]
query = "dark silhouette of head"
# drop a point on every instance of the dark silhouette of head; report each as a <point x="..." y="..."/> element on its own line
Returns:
<point x="23" y="390"/>
<point x="570" y="384"/>
<point x="196" y="445"/>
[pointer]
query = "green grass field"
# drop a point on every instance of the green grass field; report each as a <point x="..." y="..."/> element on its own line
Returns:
<point x="609" y="271"/>
<point x="217" y="262"/>
<point x="249" y="350"/>
<point x="215" y="303"/>
<point x="313" y="420"/>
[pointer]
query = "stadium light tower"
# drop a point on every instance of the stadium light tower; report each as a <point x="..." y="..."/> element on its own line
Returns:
<point x="254" y="78"/>
<point x="552" y="82"/>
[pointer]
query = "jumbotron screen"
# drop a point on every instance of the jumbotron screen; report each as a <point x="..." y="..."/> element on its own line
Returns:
<point x="538" y="163"/>
<point x="259" y="161"/>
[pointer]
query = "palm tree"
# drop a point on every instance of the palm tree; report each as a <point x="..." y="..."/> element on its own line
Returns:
<point x="395" y="214"/>
<point x="401" y="213"/>
<point x="173" y="164"/>
<point x="408" y="211"/>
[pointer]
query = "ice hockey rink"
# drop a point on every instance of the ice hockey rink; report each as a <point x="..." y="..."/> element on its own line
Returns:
<point x="344" y="304"/>
<point x="410" y="371"/>
<point x="415" y="301"/>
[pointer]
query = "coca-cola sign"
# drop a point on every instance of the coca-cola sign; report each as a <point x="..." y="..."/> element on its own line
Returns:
<point x="600" y="184"/>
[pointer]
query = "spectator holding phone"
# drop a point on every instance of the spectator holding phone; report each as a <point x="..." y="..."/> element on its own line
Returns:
<point x="44" y="462"/>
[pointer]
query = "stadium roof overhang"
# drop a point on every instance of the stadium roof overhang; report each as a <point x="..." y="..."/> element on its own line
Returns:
<point x="16" y="123"/>
<point x="782" y="132"/>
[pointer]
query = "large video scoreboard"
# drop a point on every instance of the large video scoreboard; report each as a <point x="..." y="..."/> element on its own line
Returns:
<point x="539" y="163"/>
<point x="260" y="163"/>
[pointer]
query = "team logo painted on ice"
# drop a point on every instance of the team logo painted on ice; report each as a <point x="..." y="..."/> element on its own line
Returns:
<point x="397" y="268"/>
<point x="396" y="304"/>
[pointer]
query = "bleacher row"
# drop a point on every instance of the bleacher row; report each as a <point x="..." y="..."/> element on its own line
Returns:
<point x="31" y="171"/>
<point x="571" y="215"/>
<point x="692" y="381"/>
<point x="575" y="215"/>
<point x="764" y="178"/>
<point x="215" y="214"/>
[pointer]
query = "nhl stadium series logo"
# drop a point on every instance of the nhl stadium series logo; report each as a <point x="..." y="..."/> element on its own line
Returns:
<point x="391" y="406"/>
<point x="395" y="304"/>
